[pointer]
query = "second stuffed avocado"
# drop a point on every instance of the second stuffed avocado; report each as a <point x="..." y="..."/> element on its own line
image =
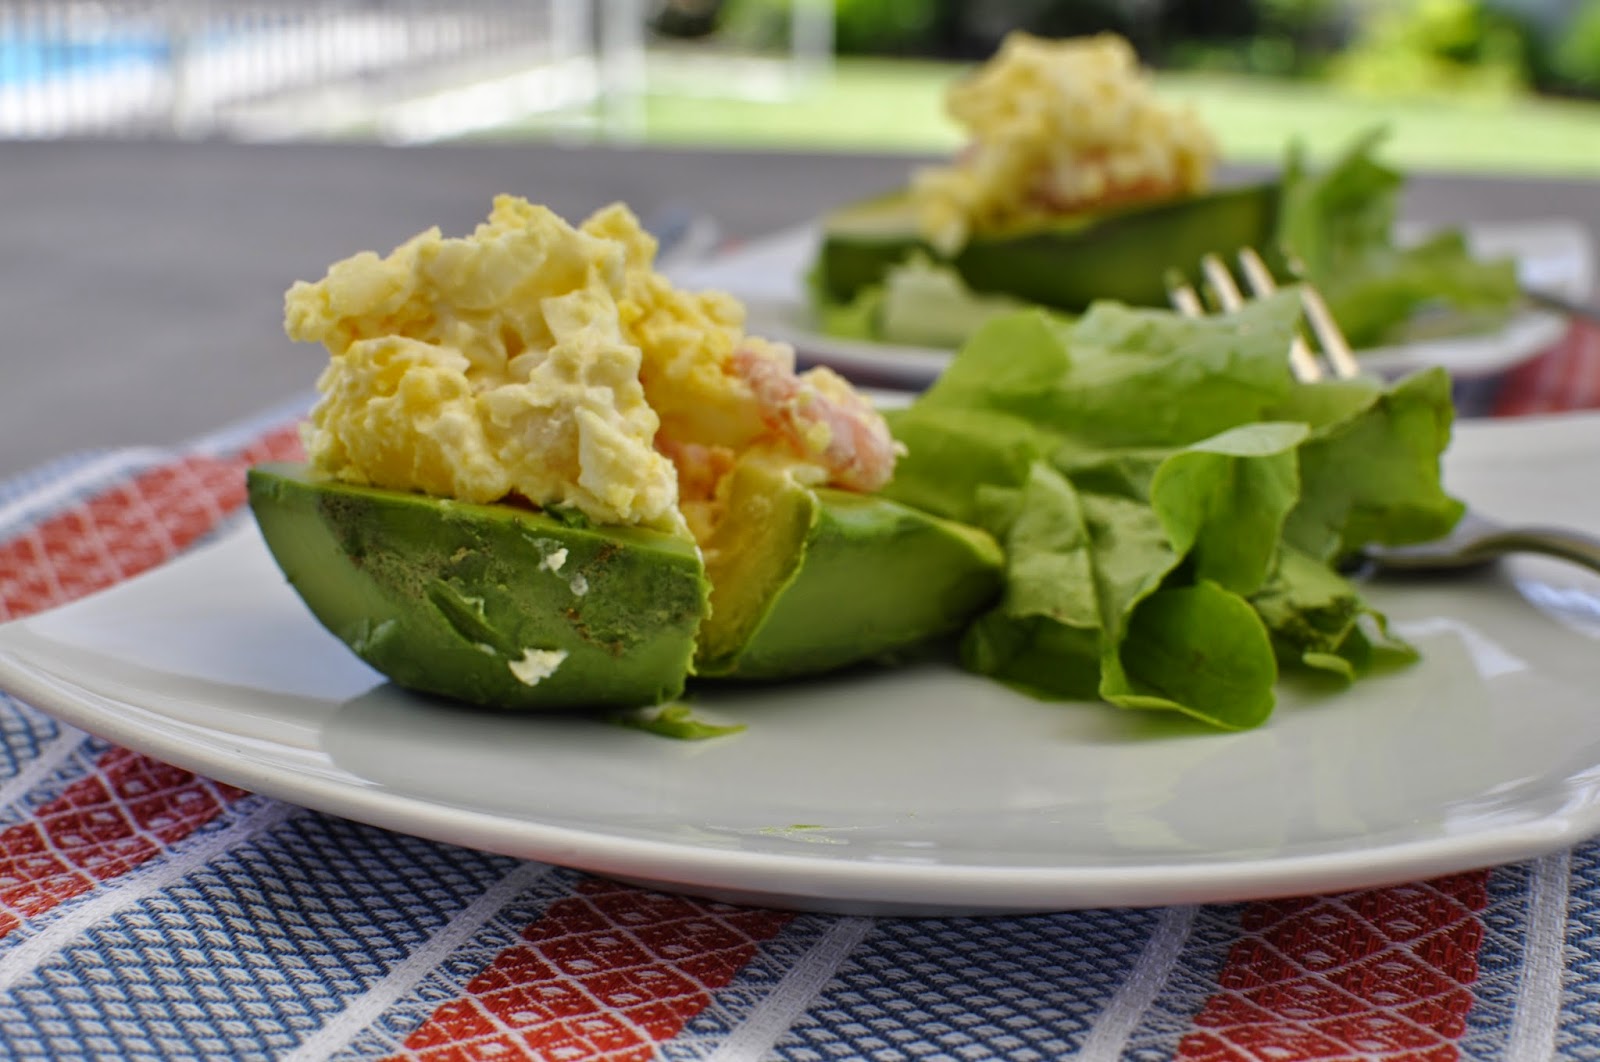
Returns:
<point x="1067" y="264"/>
<point x="503" y="606"/>
<point x="1077" y="182"/>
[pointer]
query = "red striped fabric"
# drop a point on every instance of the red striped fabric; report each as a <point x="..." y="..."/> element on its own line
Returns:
<point x="101" y="826"/>
<point x="1567" y="377"/>
<point x="601" y="977"/>
<point x="131" y="808"/>
<point x="128" y="528"/>
<point x="1381" y="974"/>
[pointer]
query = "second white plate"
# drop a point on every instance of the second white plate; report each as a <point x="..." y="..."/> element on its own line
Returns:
<point x="768" y="275"/>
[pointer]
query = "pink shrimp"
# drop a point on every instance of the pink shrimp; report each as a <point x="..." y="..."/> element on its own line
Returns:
<point x="820" y="417"/>
<point x="700" y="467"/>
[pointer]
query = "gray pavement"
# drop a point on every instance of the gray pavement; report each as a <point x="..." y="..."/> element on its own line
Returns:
<point x="141" y="283"/>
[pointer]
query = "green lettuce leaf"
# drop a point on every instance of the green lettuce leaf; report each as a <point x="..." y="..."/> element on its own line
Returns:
<point x="1339" y="223"/>
<point x="1200" y="650"/>
<point x="1076" y="384"/>
<point x="1077" y="566"/>
<point x="1370" y="468"/>
<point x="856" y="319"/>
<point x="923" y="304"/>
<point x="1170" y="500"/>
<point x="1334" y="218"/>
<point x="676" y="721"/>
<point x="1317" y="619"/>
<point x="1223" y="501"/>
<point x="920" y="303"/>
<point x="1086" y="612"/>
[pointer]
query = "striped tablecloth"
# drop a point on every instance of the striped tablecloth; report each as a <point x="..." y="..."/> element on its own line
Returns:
<point x="147" y="913"/>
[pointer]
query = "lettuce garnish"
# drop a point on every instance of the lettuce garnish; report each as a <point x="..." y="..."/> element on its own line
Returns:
<point x="1339" y="222"/>
<point x="1173" y="502"/>
<point x="676" y="721"/>
<point x="920" y="303"/>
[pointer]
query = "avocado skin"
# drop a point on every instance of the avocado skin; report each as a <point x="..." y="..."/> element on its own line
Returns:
<point x="443" y="596"/>
<point x="872" y="577"/>
<point x="1122" y="255"/>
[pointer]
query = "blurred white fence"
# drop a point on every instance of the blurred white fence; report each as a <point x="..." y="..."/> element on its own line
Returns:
<point x="397" y="70"/>
<point x="265" y="68"/>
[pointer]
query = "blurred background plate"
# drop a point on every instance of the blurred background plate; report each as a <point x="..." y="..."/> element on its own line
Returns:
<point x="769" y="275"/>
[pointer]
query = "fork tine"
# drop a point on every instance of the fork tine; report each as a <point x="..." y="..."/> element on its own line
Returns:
<point x="1302" y="360"/>
<point x="1256" y="272"/>
<point x="1221" y="283"/>
<point x="1329" y="337"/>
<point x="1323" y="326"/>
<point x="1182" y="296"/>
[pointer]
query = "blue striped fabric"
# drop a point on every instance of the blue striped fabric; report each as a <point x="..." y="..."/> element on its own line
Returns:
<point x="1020" y="989"/>
<point x="245" y="955"/>
<point x="24" y="733"/>
<point x="1500" y="963"/>
<point x="1578" y="1033"/>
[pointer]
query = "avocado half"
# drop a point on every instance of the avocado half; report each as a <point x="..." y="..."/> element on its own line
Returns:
<point x="508" y="607"/>
<point x="1122" y="254"/>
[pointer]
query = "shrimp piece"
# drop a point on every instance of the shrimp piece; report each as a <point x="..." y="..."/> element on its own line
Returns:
<point x="700" y="467"/>
<point x="819" y="417"/>
<point x="702" y="470"/>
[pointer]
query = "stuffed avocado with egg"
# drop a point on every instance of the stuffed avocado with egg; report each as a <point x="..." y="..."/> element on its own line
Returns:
<point x="1077" y="184"/>
<point x="540" y="476"/>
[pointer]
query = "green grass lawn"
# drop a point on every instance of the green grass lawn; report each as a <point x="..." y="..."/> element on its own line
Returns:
<point x="887" y="105"/>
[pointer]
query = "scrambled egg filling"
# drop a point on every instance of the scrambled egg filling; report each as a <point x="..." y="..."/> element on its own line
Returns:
<point x="484" y="367"/>
<point x="1058" y="127"/>
<point x="539" y="361"/>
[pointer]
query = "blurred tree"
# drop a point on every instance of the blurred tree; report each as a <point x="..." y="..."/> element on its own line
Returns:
<point x="1277" y="37"/>
<point x="685" y="18"/>
<point x="860" y="27"/>
<point x="1425" y="47"/>
<point x="979" y="27"/>
<point x="1483" y="47"/>
<point x="1575" y="59"/>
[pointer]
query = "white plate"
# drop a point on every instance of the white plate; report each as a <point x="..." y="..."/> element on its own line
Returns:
<point x="769" y="276"/>
<point x="904" y="792"/>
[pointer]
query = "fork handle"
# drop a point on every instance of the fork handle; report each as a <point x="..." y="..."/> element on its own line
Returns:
<point x="1562" y="542"/>
<point x="1570" y="307"/>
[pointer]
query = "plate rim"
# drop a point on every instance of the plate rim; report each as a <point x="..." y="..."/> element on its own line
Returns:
<point x="846" y="885"/>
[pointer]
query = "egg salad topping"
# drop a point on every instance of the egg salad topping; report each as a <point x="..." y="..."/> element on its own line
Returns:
<point x="552" y="363"/>
<point x="1058" y="127"/>
<point x="488" y="366"/>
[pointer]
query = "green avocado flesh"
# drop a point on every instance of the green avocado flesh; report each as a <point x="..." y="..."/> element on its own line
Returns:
<point x="1123" y="255"/>
<point x="477" y="602"/>
<point x="450" y="598"/>
<point x="805" y="581"/>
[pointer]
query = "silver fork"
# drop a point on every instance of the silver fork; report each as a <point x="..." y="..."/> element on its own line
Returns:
<point x="1476" y="539"/>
